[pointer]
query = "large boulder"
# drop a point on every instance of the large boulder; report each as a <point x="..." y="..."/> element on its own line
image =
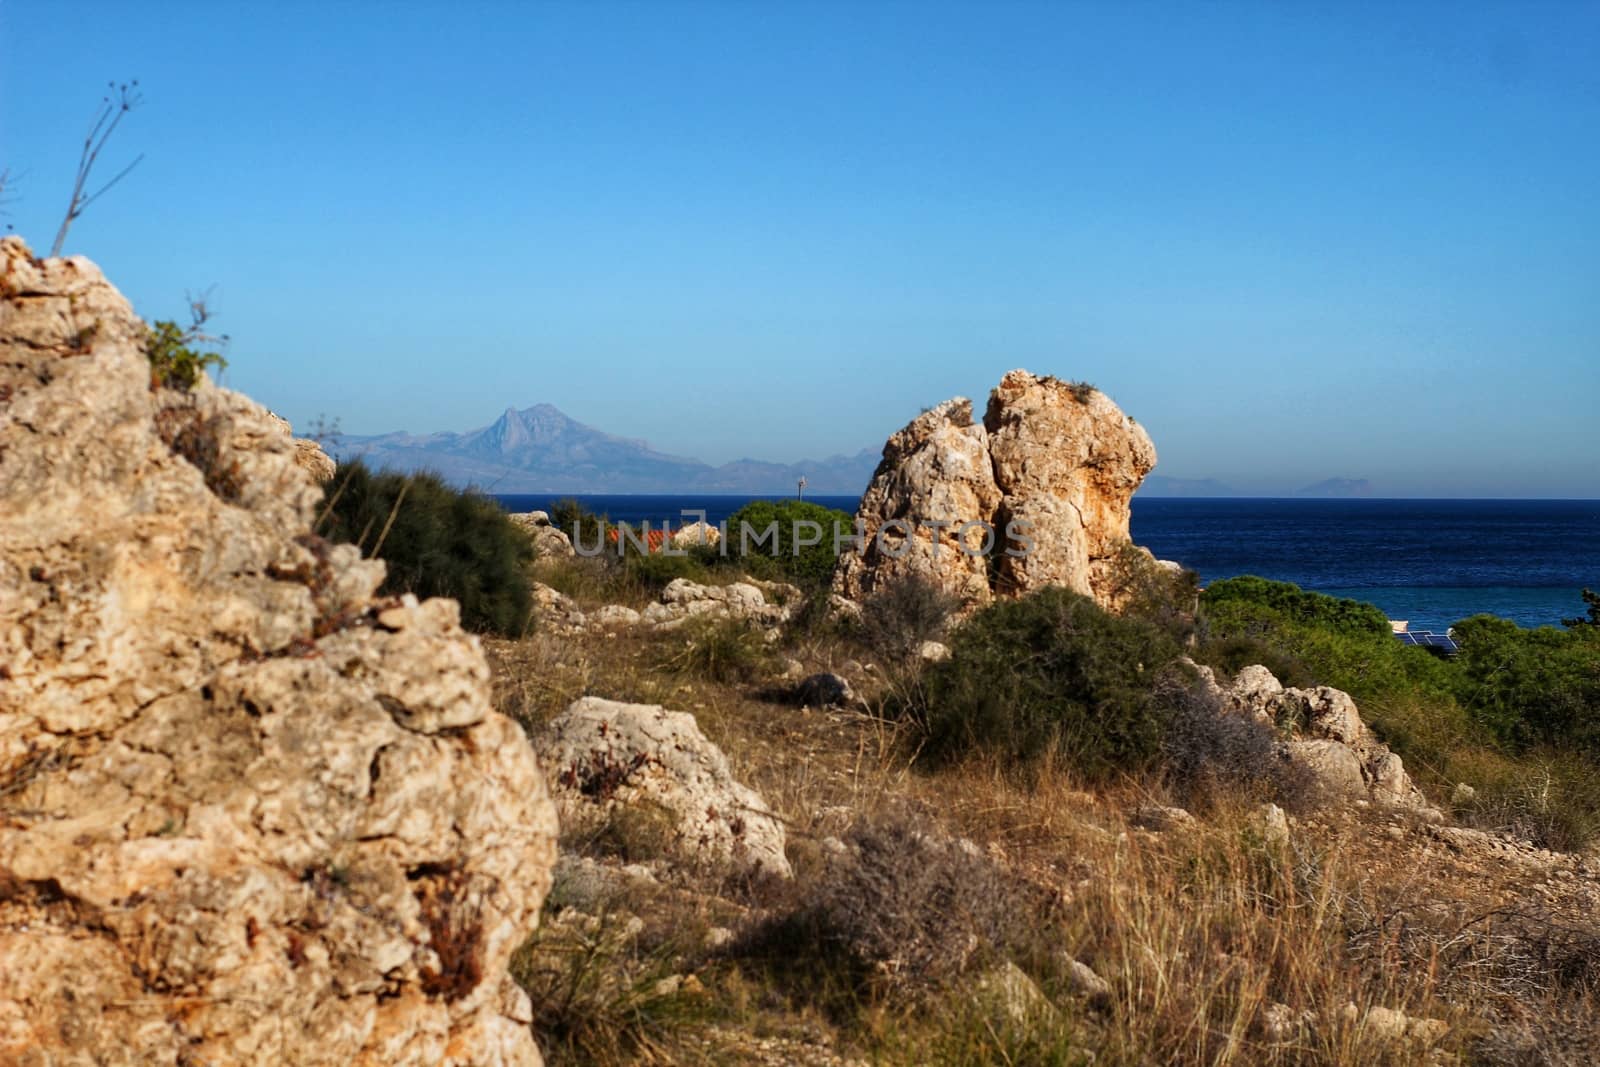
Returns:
<point x="250" y="813"/>
<point x="1045" y="481"/>
<point x="607" y="757"/>
<point x="935" y="470"/>
<point x="1326" y="736"/>
<point x="1066" y="461"/>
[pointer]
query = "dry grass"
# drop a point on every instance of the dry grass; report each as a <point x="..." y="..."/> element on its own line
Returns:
<point x="1201" y="932"/>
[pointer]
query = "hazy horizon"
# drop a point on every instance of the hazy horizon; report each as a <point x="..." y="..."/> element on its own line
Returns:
<point x="1355" y="242"/>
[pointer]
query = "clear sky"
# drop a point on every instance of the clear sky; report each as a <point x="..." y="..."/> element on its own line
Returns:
<point x="1296" y="241"/>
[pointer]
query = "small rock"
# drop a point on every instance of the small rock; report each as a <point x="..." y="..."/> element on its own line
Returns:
<point x="933" y="652"/>
<point x="1014" y="994"/>
<point x="1462" y="795"/>
<point x="825" y="690"/>
<point x="1160" y="818"/>
<point x="1085" y="982"/>
<point x="1272" y="824"/>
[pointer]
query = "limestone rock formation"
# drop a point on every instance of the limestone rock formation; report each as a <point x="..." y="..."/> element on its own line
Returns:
<point x="308" y="454"/>
<point x="548" y="541"/>
<point x="605" y="756"/>
<point x="1046" y="480"/>
<point x="249" y="814"/>
<point x="1326" y="735"/>
<point x="936" y="470"/>
<point x="1066" y="460"/>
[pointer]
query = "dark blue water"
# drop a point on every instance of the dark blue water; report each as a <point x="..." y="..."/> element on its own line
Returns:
<point x="1431" y="562"/>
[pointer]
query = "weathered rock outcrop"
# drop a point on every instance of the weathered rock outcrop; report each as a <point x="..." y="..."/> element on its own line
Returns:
<point x="679" y="602"/>
<point x="938" y="470"/>
<point x="249" y="814"/>
<point x="548" y="542"/>
<point x="308" y="454"/>
<point x="606" y="756"/>
<point x="1054" y="464"/>
<point x="1326" y="735"/>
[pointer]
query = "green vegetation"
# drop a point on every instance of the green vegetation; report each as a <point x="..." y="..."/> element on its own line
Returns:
<point x="174" y="364"/>
<point x="1050" y="674"/>
<point x="1516" y="714"/>
<point x="1591" y="600"/>
<point x="572" y="518"/>
<point x="774" y="555"/>
<point x="437" y="541"/>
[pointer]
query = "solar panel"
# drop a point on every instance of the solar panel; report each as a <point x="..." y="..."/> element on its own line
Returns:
<point x="1429" y="640"/>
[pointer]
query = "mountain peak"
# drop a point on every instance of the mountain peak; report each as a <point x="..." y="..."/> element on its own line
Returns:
<point x="542" y="449"/>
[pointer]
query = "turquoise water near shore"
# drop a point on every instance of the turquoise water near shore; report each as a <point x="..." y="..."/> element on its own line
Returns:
<point x="1431" y="562"/>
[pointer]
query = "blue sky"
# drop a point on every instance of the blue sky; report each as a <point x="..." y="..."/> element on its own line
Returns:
<point x="1295" y="241"/>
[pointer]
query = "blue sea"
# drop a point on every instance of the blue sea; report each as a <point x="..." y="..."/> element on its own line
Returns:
<point x="1430" y="562"/>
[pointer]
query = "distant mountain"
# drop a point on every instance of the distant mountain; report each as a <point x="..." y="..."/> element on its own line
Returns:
<point x="1161" y="485"/>
<point x="541" y="450"/>
<point x="1338" y="487"/>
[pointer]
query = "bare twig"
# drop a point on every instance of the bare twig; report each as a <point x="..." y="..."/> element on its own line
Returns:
<point x="112" y="109"/>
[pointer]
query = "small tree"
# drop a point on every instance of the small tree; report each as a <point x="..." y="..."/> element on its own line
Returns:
<point x="175" y="363"/>
<point x="1591" y="600"/>
<point x="119" y="100"/>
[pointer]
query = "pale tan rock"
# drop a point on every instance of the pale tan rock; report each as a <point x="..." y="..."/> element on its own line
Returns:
<point x="250" y="814"/>
<point x="548" y="542"/>
<point x="936" y="469"/>
<point x="1333" y="766"/>
<point x="605" y="754"/>
<point x="1045" y="482"/>
<point x="696" y="534"/>
<point x="1067" y="461"/>
<point x="308" y="454"/>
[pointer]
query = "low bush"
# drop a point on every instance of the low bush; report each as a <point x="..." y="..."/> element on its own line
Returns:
<point x="905" y="909"/>
<point x="582" y="526"/>
<point x="1212" y="754"/>
<point x="1516" y="708"/>
<point x="1050" y="674"/>
<point x="174" y="362"/>
<point x="436" y="541"/>
<point x="1144" y="589"/>
<point x="775" y="555"/>
<point x="896" y="618"/>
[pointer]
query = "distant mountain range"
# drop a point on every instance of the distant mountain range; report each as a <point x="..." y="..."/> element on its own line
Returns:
<point x="1161" y="485"/>
<point x="541" y="450"/>
<point x="1338" y="487"/>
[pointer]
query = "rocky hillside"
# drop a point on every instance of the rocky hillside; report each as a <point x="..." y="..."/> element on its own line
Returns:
<point x="249" y="813"/>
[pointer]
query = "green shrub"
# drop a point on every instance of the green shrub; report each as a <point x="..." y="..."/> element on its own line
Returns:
<point x="1531" y="687"/>
<point x="654" y="571"/>
<point x="775" y="556"/>
<point x="173" y="363"/>
<point x="583" y="526"/>
<point x="1515" y="707"/>
<point x="436" y="541"/>
<point x="1050" y="673"/>
<point x="1146" y="590"/>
